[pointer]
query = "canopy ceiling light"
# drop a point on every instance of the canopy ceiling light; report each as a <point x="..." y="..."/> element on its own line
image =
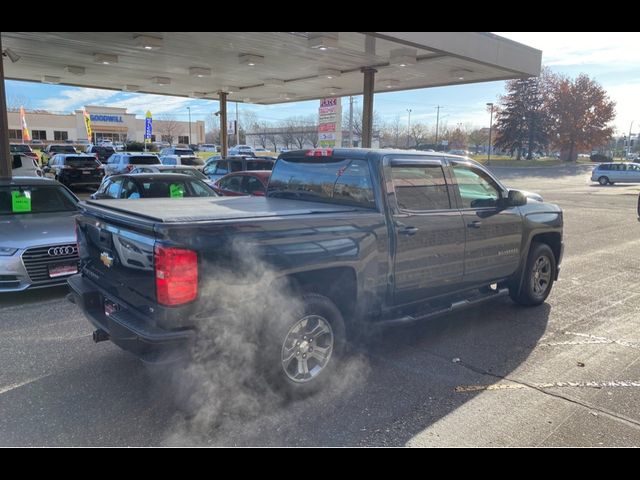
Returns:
<point x="75" y="70"/>
<point x="286" y="96"/>
<point x="131" y="88"/>
<point x="329" y="73"/>
<point x="13" y="56"/>
<point x="332" y="90"/>
<point x="460" y="73"/>
<point x="403" y="57"/>
<point x="50" y="79"/>
<point x="391" y="83"/>
<point x="161" y="80"/>
<point x="199" y="72"/>
<point x="147" y="42"/>
<point x="105" y="58"/>
<point x="323" y="40"/>
<point x="251" y="60"/>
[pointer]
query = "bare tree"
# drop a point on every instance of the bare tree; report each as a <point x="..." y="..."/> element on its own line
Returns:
<point x="479" y="137"/>
<point x="212" y="125"/>
<point x="286" y="133"/>
<point x="169" y="128"/>
<point x="311" y="135"/>
<point x="14" y="102"/>
<point x="418" y="133"/>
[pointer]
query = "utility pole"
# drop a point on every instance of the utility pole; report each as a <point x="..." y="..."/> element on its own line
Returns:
<point x="350" y="121"/>
<point x="437" y="122"/>
<point x="190" y="140"/>
<point x="409" y="127"/>
<point x="237" y="129"/>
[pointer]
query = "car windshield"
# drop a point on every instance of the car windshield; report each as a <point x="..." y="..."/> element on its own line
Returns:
<point x="35" y="199"/>
<point x="175" y="188"/>
<point x="81" y="162"/>
<point x="187" y="171"/>
<point x="182" y="151"/>
<point x="259" y="165"/>
<point x="20" y="148"/>
<point x="192" y="161"/>
<point x="62" y="149"/>
<point x="144" y="160"/>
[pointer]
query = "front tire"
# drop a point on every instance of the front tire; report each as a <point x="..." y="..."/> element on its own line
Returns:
<point x="304" y="346"/>
<point x="603" y="181"/>
<point x="538" y="277"/>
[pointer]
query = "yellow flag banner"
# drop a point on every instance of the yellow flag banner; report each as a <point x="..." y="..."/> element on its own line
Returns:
<point x="23" y="122"/>
<point x="87" y="123"/>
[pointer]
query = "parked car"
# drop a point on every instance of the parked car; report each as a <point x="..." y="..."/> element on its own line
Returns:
<point x="177" y="151"/>
<point x="349" y="237"/>
<point x="50" y="150"/>
<point x="241" y="150"/>
<point x="600" y="158"/>
<point x="23" y="149"/>
<point x="209" y="147"/>
<point x="101" y="152"/>
<point x="618" y="172"/>
<point x="124" y="162"/>
<point x="185" y="170"/>
<point x="75" y="169"/>
<point x="29" y="259"/>
<point x="152" y="185"/>
<point x="464" y="153"/>
<point x="218" y="168"/>
<point x="189" y="160"/>
<point x="25" y="166"/>
<point x="243" y="183"/>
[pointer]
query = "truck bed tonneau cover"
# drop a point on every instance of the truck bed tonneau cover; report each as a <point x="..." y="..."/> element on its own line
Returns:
<point x="172" y="210"/>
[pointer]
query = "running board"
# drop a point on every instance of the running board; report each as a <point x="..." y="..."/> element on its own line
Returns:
<point x="459" y="305"/>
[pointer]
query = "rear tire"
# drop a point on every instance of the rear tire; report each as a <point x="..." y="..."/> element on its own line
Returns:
<point x="603" y="181"/>
<point x="538" y="276"/>
<point x="304" y="345"/>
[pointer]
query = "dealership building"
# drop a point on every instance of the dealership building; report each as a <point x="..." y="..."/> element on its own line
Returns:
<point x="107" y="123"/>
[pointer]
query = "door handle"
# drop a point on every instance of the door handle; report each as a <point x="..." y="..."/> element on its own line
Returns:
<point x="474" y="224"/>
<point x="408" y="230"/>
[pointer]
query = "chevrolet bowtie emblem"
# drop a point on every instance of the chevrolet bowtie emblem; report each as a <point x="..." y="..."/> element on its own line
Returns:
<point x="106" y="259"/>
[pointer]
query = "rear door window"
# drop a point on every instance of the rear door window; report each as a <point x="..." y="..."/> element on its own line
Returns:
<point x="420" y="186"/>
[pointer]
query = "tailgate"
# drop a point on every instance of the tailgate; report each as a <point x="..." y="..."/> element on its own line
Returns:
<point x="117" y="254"/>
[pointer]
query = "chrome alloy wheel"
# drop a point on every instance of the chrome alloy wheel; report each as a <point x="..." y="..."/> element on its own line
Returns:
<point x="307" y="348"/>
<point x="541" y="275"/>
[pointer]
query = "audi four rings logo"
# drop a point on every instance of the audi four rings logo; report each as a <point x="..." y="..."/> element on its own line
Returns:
<point x="60" y="251"/>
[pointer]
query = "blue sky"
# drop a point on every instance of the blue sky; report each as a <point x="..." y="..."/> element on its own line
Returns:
<point x="613" y="59"/>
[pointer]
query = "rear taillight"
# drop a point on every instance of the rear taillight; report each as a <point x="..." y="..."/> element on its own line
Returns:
<point x="176" y="272"/>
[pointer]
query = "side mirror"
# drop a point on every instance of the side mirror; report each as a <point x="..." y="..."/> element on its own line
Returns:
<point x="516" y="198"/>
<point x="46" y="169"/>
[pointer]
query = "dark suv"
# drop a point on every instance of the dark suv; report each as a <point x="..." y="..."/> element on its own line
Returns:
<point x="101" y="152"/>
<point x="74" y="169"/>
<point x="50" y="150"/>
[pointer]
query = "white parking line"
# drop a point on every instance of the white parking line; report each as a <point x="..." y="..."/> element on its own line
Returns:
<point x="8" y="388"/>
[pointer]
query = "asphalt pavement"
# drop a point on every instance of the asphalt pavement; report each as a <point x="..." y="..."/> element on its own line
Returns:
<point x="562" y="374"/>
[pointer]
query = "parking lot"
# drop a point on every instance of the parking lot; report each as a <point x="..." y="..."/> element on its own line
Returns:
<point x="562" y="374"/>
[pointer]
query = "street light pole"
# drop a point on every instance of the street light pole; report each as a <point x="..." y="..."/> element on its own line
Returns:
<point x="237" y="129"/>
<point x="490" y="127"/>
<point x="629" y="141"/>
<point x="408" y="126"/>
<point x="190" y="140"/>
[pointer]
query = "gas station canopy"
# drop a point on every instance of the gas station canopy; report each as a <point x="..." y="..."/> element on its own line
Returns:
<point x="264" y="67"/>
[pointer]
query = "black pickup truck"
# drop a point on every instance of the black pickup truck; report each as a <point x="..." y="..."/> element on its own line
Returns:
<point x="356" y="238"/>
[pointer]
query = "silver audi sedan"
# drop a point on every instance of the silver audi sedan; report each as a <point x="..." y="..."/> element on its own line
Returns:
<point x="37" y="233"/>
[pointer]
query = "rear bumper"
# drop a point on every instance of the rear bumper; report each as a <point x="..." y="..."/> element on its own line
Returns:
<point x="128" y="329"/>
